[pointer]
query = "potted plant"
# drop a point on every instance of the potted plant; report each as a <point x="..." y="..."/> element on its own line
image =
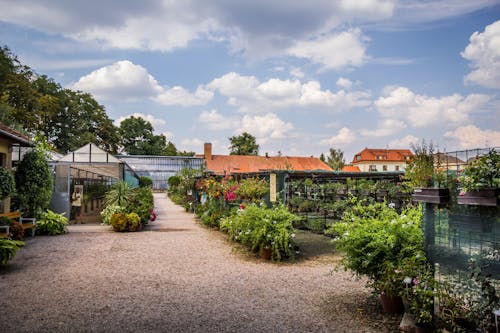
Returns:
<point x="421" y="299"/>
<point x="480" y="181"/>
<point x="425" y="178"/>
<point x="375" y="239"/>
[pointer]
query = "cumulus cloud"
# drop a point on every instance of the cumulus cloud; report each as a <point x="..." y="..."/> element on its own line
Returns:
<point x="385" y="128"/>
<point x="122" y="79"/>
<point x="470" y="136"/>
<point x="265" y="127"/>
<point x="483" y="52"/>
<point x="155" y="122"/>
<point x="422" y="110"/>
<point x="250" y="95"/>
<point x="343" y="137"/>
<point x="404" y="142"/>
<point x="333" y="51"/>
<point x="214" y="120"/>
<point x="125" y="80"/>
<point x="297" y="72"/>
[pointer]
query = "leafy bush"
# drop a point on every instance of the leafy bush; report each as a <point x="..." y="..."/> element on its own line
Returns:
<point x="34" y="183"/>
<point x="141" y="202"/>
<point x="119" y="194"/>
<point x="376" y="236"/>
<point x="133" y="221"/>
<point x="252" y="189"/>
<point x="119" y="222"/>
<point x="483" y="172"/>
<point x="263" y="228"/>
<point x="52" y="223"/>
<point x="8" y="249"/>
<point x="109" y="211"/>
<point x="7" y="184"/>
<point x="145" y="181"/>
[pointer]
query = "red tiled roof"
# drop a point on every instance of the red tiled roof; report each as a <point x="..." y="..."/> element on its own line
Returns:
<point x="221" y="164"/>
<point x="350" y="168"/>
<point x="391" y="155"/>
<point x="13" y="135"/>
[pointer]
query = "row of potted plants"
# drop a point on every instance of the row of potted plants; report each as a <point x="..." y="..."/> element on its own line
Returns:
<point x="477" y="184"/>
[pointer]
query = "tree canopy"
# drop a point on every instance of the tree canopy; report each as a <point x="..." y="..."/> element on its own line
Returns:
<point x="335" y="159"/>
<point x="37" y="105"/>
<point x="244" y="144"/>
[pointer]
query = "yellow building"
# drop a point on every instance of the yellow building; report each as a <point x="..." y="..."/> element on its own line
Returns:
<point x="8" y="139"/>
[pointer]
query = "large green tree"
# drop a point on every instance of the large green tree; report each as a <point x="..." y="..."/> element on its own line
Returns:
<point x="244" y="144"/>
<point x="38" y="105"/>
<point x="335" y="159"/>
<point x="138" y="139"/>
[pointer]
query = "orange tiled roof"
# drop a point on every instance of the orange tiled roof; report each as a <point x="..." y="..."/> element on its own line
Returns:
<point x="392" y="155"/>
<point x="221" y="164"/>
<point x="13" y="135"/>
<point x="350" y="168"/>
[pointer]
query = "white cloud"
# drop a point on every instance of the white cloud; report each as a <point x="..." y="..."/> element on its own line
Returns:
<point x="343" y="137"/>
<point x="250" y="95"/>
<point x="192" y="144"/>
<point x="344" y="83"/>
<point x="157" y="123"/>
<point x="404" y="143"/>
<point x="121" y="80"/>
<point x="470" y="136"/>
<point x="179" y="96"/>
<point x="421" y="110"/>
<point x="125" y="80"/>
<point x="265" y="127"/>
<point x="213" y="120"/>
<point x="385" y="128"/>
<point x="483" y="52"/>
<point x="297" y="72"/>
<point x="333" y="51"/>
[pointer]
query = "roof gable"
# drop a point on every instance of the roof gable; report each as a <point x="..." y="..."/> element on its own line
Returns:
<point x="13" y="135"/>
<point x="90" y="153"/>
<point x="391" y="155"/>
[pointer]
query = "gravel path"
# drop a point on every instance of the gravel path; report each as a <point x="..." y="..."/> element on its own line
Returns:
<point x="178" y="276"/>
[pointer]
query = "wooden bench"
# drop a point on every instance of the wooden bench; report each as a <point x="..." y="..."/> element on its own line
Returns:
<point x="24" y="222"/>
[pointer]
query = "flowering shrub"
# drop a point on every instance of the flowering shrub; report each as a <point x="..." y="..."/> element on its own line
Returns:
<point x="133" y="222"/>
<point x="252" y="189"/>
<point x="376" y="239"/>
<point x="119" y="222"/>
<point x="109" y="211"/>
<point x="263" y="228"/>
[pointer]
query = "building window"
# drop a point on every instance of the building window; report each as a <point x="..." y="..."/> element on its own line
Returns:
<point x="372" y="167"/>
<point x="384" y="167"/>
<point x="396" y="168"/>
<point x="358" y="157"/>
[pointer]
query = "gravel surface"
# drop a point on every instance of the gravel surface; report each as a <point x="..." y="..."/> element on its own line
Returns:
<point x="177" y="276"/>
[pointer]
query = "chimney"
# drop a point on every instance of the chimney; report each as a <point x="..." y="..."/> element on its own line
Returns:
<point x="207" y="150"/>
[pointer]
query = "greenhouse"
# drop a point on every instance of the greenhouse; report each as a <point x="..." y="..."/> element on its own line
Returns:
<point x="93" y="170"/>
<point x="160" y="168"/>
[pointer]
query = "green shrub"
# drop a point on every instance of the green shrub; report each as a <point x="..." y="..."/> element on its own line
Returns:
<point x="141" y="202"/>
<point x="34" y="183"/>
<point x="263" y="228"/>
<point x="119" y="194"/>
<point x="145" y="181"/>
<point x="52" y="223"/>
<point x="483" y="172"/>
<point x="7" y="184"/>
<point x="109" y="211"/>
<point x="133" y="221"/>
<point x="8" y="249"/>
<point x="376" y="237"/>
<point x="119" y="222"/>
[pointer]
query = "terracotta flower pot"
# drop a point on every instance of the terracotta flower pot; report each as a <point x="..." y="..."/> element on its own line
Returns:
<point x="392" y="304"/>
<point x="266" y="253"/>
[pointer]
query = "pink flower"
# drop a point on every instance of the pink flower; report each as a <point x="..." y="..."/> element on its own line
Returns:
<point x="415" y="281"/>
<point x="242" y="206"/>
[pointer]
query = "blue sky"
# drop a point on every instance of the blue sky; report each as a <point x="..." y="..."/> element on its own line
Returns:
<point x="301" y="76"/>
